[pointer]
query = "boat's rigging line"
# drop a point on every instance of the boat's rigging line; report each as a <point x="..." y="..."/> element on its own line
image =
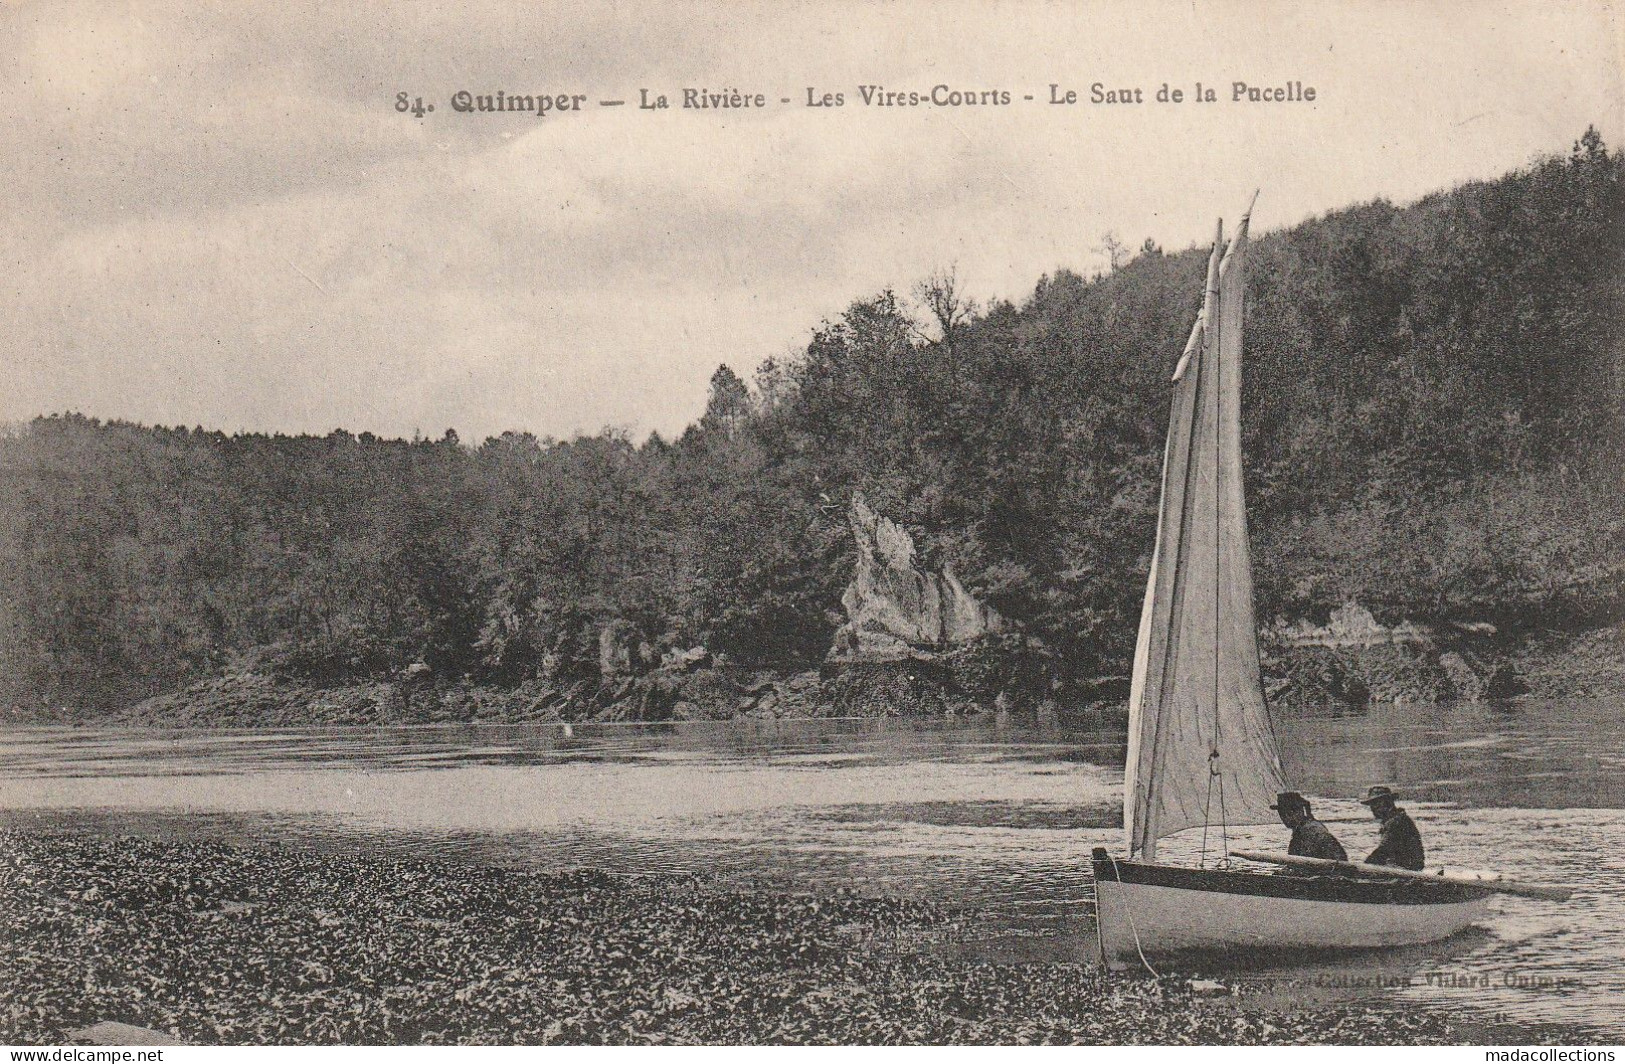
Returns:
<point x="1214" y="767"/>
<point x="1214" y="773"/>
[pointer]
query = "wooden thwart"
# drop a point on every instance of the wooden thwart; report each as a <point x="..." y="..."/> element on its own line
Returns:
<point x="1502" y="886"/>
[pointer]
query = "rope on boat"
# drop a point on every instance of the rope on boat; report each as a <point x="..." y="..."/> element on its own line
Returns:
<point x="1207" y="808"/>
<point x="1215" y="773"/>
<point x="1129" y="909"/>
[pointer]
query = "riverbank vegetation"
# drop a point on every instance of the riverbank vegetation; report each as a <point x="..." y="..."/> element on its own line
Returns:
<point x="1435" y="406"/>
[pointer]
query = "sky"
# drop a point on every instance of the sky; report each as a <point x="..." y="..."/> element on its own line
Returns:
<point x="215" y="215"/>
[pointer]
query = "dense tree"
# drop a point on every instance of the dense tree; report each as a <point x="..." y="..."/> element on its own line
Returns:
<point x="1435" y="401"/>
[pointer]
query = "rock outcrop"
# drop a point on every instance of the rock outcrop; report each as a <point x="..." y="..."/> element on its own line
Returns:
<point x="1350" y="625"/>
<point x="894" y="608"/>
<point x="1354" y="659"/>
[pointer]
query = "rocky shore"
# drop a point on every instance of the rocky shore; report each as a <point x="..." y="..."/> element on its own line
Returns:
<point x="979" y="679"/>
<point x="222" y="945"/>
<point x="1354" y="660"/>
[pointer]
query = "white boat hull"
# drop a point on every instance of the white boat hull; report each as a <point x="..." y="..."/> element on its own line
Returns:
<point x="1162" y="909"/>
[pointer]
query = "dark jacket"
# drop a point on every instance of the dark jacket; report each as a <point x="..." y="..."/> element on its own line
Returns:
<point x="1401" y="845"/>
<point x="1313" y="839"/>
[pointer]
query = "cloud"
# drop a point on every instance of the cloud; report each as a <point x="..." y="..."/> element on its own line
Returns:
<point x="216" y="215"/>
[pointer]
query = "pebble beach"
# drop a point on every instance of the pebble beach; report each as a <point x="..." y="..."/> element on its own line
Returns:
<point x="217" y="944"/>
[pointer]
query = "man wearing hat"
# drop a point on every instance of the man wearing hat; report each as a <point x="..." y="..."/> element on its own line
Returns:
<point x="1310" y="838"/>
<point x="1401" y="843"/>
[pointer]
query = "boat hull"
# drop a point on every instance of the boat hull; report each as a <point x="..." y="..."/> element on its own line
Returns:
<point x="1161" y="909"/>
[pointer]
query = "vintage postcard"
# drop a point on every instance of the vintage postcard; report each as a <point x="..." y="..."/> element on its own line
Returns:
<point x="994" y="522"/>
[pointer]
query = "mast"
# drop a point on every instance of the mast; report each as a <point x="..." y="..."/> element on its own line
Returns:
<point x="1197" y="718"/>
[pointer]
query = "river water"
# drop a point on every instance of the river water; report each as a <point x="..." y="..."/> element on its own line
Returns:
<point x="996" y="819"/>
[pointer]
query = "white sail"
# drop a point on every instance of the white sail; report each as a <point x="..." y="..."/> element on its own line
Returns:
<point x="1201" y="749"/>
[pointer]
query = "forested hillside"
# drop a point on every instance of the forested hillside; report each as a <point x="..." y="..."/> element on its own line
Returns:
<point x="1435" y="410"/>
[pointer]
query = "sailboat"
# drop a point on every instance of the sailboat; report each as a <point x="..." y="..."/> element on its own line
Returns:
<point x="1201" y="748"/>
